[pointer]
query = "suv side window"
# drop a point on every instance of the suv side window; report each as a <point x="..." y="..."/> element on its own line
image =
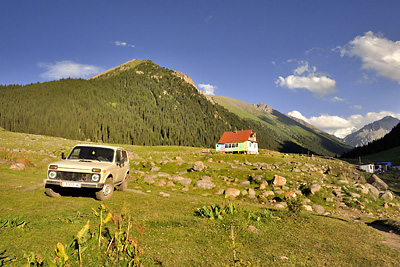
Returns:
<point x="125" y="155"/>
<point x="118" y="156"/>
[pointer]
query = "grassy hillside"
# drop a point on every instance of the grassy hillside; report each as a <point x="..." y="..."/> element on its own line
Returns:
<point x="141" y="103"/>
<point x="391" y="155"/>
<point x="302" y="136"/>
<point x="137" y="103"/>
<point x="168" y="231"/>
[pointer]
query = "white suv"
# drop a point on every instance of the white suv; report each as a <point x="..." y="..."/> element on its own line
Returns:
<point x="94" y="167"/>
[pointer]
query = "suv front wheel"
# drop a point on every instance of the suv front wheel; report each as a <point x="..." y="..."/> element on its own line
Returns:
<point x="107" y="191"/>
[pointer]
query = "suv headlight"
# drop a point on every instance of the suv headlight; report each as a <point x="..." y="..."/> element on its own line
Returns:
<point x="95" y="177"/>
<point x="52" y="174"/>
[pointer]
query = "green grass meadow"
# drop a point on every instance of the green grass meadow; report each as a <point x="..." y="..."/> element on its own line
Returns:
<point x="167" y="230"/>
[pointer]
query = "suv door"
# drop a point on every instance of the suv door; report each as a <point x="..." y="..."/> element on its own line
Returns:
<point x="121" y="161"/>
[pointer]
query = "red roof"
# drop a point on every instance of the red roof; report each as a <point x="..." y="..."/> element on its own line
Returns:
<point x="235" y="137"/>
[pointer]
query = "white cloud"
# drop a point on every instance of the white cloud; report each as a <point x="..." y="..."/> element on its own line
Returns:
<point x="125" y="44"/>
<point x="206" y="20"/>
<point x="68" y="69"/>
<point x="357" y="106"/>
<point x="308" y="78"/>
<point x="208" y="88"/>
<point x="337" y="99"/>
<point x="376" y="53"/>
<point x="339" y="126"/>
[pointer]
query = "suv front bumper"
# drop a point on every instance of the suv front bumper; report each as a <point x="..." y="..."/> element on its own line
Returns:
<point x="76" y="184"/>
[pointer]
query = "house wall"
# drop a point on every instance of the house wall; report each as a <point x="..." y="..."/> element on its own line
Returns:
<point x="252" y="147"/>
<point x="247" y="146"/>
<point x="370" y="168"/>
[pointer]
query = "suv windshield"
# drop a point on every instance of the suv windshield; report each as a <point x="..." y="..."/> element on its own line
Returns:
<point x="92" y="153"/>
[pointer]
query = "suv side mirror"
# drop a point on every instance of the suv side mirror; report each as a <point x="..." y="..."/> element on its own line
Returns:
<point x="62" y="155"/>
<point x="121" y="161"/>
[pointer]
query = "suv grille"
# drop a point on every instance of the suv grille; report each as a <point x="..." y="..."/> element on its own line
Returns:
<point x="74" y="176"/>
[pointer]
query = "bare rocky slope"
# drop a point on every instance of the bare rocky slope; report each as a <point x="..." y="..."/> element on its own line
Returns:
<point x="371" y="132"/>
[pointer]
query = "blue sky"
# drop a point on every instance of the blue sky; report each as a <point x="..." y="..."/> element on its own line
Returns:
<point x="336" y="64"/>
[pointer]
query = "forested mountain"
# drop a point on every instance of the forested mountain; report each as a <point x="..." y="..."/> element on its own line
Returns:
<point x="371" y="132"/>
<point x="298" y="135"/>
<point x="137" y="103"/>
<point x="389" y="141"/>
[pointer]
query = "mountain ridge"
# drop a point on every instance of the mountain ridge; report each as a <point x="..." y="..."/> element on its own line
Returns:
<point x="142" y="103"/>
<point x="371" y="132"/>
<point x="303" y="136"/>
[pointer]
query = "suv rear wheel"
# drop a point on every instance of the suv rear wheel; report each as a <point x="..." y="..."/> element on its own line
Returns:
<point x="107" y="191"/>
<point x="125" y="183"/>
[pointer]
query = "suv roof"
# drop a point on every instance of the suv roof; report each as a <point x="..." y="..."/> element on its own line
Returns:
<point x="104" y="146"/>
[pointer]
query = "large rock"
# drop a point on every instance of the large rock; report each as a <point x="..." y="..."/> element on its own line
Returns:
<point x="185" y="181"/>
<point x="318" y="208"/>
<point x="198" y="166"/>
<point x="232" y="192"/>
<point x="386" y="196"/>
<point x="278" y="180"/>
<point x="205" y="183"/>
<point x="377" y="182"/>
<point x="252" y="193"/>
<point x="17" y="167"/>
<point x="372" y="189"/>
<point x="267" y="193"/>
<point x="315" y="188"/>
<point x="155" y="169"/>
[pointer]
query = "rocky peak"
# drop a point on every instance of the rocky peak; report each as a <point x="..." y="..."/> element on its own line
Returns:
<point x="264" y="107"/>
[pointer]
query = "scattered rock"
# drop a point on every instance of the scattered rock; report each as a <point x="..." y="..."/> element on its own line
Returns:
<point x="315" y="188"/>
<point x="318" y="208"/>
<point x="307" y="207"/>
<point x="17" y="167"/>
<point x="170" y="184"/>
<point x="163" y="174"/>
<point x="198" y="166"/>
<point x="158" y="183"/>
<point x="377" y="182"/>
<point x="386" y="196"/>
<point x="244" y="183"/>
<point x="185" y="181"/>
<point x="165" y="194"/>
<point x="220" y="192"/>
<point x="155" y="169"/>
<point x="372" y="189"/>
<point x="205" y="183"/>
<point x="252" y="193"/>
<point x="232" y="192"/>
<point x="278" y="180"/>
<point x="290" y="194"/>
<point x="25" y="162"/>
<point x="267" y="193"/>
<point x="253" y="229"/>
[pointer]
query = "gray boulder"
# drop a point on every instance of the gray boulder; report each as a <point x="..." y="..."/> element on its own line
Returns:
<point x="205" y="183"/>
<point x="386" y="196"/>
<point x="372" y="189"/>
<point x="377" y="182"/>
<point x="198" y="166"/>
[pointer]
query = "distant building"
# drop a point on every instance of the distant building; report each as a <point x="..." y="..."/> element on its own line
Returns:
<point x="370" y="168"/>
<point x="382" y="167"/>
<point x="238" y="142"/>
